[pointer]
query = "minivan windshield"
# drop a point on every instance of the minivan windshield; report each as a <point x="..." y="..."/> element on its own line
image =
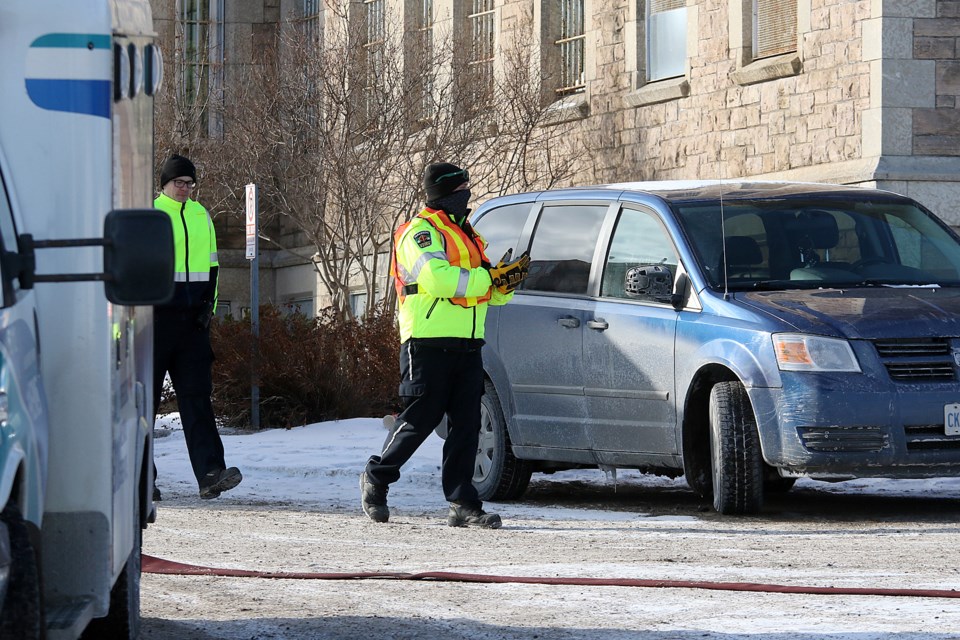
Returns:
<point x="792" y="244"/>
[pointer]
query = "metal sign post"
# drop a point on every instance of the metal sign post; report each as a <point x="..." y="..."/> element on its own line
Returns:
<point x="253" y="256"/>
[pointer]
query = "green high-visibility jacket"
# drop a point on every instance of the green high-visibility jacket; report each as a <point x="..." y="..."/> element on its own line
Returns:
<point x="196" y="269"/>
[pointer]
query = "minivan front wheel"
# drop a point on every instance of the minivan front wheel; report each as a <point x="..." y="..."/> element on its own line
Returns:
<point x="497" y="474"/>
<point x="735" y="458"/>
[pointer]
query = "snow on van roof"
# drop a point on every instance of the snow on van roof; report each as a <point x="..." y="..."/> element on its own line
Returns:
<point x="688" y="185"/>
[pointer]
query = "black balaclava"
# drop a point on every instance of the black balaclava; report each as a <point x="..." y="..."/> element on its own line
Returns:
<point x="455" y="204"/>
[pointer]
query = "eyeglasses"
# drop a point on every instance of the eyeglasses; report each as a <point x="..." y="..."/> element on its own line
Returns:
<point x="184" y="184"/>
<point x="462" y="172"/>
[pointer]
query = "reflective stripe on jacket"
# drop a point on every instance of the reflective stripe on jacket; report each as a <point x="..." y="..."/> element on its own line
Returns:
<point x="195" y="252"/>
<point x="447" y="265"/>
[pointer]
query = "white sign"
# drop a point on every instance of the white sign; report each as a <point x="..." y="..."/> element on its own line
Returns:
<point x="251" y="221"/>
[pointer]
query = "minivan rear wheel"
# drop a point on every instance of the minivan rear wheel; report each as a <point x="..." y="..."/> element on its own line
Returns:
<point x="735" y="458"/>
<point x="497" y="475"/>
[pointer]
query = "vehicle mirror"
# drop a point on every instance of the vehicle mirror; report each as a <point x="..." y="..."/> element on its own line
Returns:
<point x="652" y="281"/>
<point x="138" y="257"/>
<point x="679" y="296"/>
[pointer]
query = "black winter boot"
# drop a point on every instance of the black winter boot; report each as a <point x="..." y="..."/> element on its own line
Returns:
<point x="218" y="481"/>
<point x="472" y="515"/>
<point x="373" y="499"/>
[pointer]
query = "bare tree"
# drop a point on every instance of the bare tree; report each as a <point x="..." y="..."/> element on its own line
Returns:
<point x="336" y="131"/>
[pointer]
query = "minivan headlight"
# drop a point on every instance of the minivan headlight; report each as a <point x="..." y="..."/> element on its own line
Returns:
<point x="799" y="352"/>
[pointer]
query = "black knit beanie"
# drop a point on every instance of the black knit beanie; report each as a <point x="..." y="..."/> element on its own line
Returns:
<point x="441" y="179"/>
<point x="176" y="167"/>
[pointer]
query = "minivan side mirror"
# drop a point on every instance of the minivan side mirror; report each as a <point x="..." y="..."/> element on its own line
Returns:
<point x="651" y="281"/>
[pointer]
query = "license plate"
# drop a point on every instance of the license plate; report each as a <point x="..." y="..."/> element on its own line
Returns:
<point x="951" y="419"/>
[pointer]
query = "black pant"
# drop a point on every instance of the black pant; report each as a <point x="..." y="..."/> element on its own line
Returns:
<point x="437" y="381"/>
<point x="182" y="348"/>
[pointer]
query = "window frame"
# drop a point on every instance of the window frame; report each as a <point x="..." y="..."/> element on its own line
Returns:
<point x="646" y="92"/>
<point x="623" y="213"/>
<point x="482" y="30"/>
<point x="309" y="22"/>
<point x="374" y="42"/>
<point x="597" y="253"/>
<point x="564" y="103"/>
<point x="199" y="44"/>
<point x="572" y="45"/>
<point x="752" y="69"/>
<point x="649" y="16"/>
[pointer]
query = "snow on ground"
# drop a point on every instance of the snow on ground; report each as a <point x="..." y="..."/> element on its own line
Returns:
<point x="320" y="463"/>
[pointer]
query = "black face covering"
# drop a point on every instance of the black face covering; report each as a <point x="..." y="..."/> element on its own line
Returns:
<point x="455" y="204"/>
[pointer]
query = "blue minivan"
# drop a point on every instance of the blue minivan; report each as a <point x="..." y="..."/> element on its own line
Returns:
<point x="740" y="334"/>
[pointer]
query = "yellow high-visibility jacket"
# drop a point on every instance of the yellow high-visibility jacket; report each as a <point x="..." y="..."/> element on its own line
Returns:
<point x="196" y="267"/>
<point x="448" y="267"/>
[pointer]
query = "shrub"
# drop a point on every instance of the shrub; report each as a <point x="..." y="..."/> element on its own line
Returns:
<point x="310" y="369"/>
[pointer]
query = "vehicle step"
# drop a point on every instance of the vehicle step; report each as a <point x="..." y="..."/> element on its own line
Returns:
<point x="67" y="620"/>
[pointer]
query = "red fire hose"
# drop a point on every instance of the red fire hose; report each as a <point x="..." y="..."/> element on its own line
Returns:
<point x="159" y="565"/>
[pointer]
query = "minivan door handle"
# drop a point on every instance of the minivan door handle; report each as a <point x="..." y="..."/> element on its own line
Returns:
<point x="569" y="322"/>
<point x="599" y="324"/>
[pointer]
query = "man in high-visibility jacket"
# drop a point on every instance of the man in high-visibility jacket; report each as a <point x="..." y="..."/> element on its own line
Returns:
<point x="181" y="344"/>
<point x="444" y="284"/>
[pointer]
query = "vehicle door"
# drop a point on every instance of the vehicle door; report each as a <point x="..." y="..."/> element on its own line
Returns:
<point x="628" y="344"/>
<point x="23" y="427"/>
<point x="540" y="332"/>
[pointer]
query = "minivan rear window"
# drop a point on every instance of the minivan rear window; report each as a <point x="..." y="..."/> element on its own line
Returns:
<point x="501" y="228"/>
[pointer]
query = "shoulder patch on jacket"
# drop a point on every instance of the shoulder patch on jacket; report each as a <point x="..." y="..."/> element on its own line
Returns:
<point x="423" y="239"/>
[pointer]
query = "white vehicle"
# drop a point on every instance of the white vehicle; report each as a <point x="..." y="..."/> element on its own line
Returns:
<point x="76" y="220"/>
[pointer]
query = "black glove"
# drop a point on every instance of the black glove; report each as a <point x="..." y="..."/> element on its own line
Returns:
<point x="204" y="316"/>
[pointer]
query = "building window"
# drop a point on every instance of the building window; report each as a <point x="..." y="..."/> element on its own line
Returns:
<point x="358" y="304"/>
<point x="666" y="39"/>
<point x="194" y="50"/>
<point x="764" y="36"/>
<point x="373" y="51"/>
<point x="425" y="54"/>
<point x="571" y="44"/>
<point x="310" y="21"/>
<point x="200" y="58"/>
<point x="481" y="20"/>
<point x="302" y="305"/>
<point x="775" y="27"/>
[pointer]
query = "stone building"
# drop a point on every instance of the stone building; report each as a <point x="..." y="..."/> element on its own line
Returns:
<point x="860" y="92"/>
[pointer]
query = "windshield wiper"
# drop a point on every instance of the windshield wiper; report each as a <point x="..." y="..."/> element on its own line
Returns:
<point x="889" y="282"/>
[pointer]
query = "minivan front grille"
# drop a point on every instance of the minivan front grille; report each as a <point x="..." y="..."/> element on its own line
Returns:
<point x="930" y="437"/>
<point x="917" y="359"/>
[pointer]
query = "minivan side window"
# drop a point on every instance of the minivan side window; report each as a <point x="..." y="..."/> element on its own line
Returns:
<point x="501" y="229"/>
<point x="639" y="239"/>
<point x="562" y="249"/>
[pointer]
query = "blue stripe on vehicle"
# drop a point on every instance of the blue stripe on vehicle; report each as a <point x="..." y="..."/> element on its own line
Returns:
<point x="91" y="97"/>
<point x="73" y="41"/>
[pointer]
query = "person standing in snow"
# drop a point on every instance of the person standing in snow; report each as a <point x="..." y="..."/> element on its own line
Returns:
<point x="444" y="285"/>
<point x="181" y="344"/>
